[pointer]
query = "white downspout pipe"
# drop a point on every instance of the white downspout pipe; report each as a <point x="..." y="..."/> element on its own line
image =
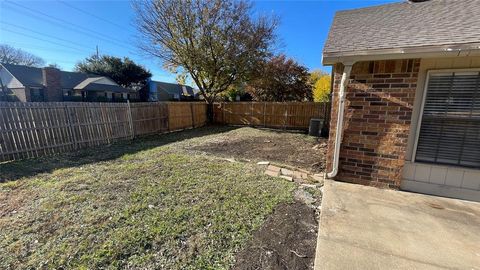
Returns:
<point x="339" y="128"/>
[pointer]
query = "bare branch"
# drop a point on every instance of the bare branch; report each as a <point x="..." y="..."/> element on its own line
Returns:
<point x="216" y="41"/>
<point x="11" y="55"/>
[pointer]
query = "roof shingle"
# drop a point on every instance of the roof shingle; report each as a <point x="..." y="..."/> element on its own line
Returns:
<point x="405" y="25"/>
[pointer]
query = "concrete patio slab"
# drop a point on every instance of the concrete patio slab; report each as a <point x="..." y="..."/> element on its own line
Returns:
<point x="368" y="228"/>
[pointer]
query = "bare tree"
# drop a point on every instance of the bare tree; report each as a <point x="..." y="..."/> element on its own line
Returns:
<point x="217" y="42"/>
<point x="54" y="65"/>
<point x="11" y="55"/>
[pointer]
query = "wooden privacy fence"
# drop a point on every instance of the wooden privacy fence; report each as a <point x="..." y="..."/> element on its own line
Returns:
<point x="286" y="115"/>
<point x="42" y="128"/>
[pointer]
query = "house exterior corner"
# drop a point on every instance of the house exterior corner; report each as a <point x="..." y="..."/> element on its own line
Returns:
<point x="406" y="96"/>
<point x="378" y="109"/>
<point x="385" y="102"/>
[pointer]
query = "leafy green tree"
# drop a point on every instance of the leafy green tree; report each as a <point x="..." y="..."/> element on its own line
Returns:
<point x="181" y="78"/>
<point x="321" y="83"/>
<point x="218" y="43"/>
<point x="124" y="71"/>
<point x="234" y="92"/>
<point x="315" y="75"/>
<point x="280" y="79"/>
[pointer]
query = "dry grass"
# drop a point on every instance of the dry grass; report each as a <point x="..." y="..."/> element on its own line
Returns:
<point x="148" y="204"/>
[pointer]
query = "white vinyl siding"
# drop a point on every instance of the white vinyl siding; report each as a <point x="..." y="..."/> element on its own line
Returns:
<point x="450" y="122"/>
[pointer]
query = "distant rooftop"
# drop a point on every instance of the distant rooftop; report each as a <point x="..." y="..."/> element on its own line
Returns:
<point x="32" y="77"/>
<point x="174" y="88"/>
<point x="29" y="76"/>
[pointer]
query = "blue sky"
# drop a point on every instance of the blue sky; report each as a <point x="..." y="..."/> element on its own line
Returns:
<point x="64" y="32"/>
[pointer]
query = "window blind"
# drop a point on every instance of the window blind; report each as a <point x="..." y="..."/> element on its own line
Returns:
<point x="450" y="125"/>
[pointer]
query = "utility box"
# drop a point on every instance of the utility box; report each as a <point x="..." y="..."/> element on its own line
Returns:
<point x="315" y="128"/>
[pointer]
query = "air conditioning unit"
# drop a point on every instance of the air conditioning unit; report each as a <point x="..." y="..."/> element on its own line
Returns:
<point x="315" y="128"/>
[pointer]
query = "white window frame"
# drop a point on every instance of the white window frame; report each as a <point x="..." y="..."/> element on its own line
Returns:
<point x="424" y="98"/>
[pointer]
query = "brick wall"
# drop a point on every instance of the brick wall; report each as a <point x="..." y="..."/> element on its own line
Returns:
<point x="378" y="111"/>
<point x="52" y="82"/>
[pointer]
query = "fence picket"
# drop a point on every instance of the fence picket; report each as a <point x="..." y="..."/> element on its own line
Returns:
<point x="43" y="128"/>
<point x="285" y="115"/>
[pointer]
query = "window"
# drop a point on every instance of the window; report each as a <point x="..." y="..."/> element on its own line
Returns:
<point x="67" y="92"/>
<point x="450" y="125"/>
<point x="36" y="94"/>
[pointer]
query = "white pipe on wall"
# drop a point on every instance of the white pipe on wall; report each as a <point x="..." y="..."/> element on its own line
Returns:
<point x="339" y="128"/>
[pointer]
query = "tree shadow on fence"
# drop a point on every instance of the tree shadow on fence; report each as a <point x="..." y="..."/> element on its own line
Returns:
<point x="14" y="170"/>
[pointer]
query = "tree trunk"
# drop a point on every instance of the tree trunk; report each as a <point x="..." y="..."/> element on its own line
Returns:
<point x="210" y="103"/>
<point x="210" y="118"/>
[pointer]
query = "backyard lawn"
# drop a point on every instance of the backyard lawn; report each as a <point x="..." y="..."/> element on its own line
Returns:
<point x="163" y="202"/>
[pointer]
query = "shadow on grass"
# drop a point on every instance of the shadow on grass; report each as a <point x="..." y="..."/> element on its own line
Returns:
<point x="14" y="170"/>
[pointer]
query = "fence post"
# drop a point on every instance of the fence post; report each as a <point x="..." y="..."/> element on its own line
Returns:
<point x="4" y="150"/>
<point x="326" y="109"/>
<point x="72" y="128"/>
<point x="222" y="105"/>
<point x="130" y="121"/>
<point x="264" y="114"/>
<point x="168" y="117"/>
<point x="251" y="113"/>
<point x="160" y="117"/>
<point x="193" y="115"/>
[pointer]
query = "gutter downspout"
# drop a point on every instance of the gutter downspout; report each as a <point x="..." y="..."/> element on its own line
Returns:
<point x="339" y="128"/>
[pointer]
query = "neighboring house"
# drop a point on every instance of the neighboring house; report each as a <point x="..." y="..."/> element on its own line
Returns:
<point x="410" y="114"/>
<point x="31" y="84"/>
<point x="162" y="91"/>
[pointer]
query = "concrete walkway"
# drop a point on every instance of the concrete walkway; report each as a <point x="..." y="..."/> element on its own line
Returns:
<point x="368" y="228"/>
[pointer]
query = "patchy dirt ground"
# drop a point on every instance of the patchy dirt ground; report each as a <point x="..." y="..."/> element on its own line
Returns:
<point x="170" y="201"/>
<point x="287" y="240"/>
<point x="293" y="149"/>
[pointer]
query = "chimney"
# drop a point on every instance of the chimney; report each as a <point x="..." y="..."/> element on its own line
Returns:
<point x="52" y="82"/>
